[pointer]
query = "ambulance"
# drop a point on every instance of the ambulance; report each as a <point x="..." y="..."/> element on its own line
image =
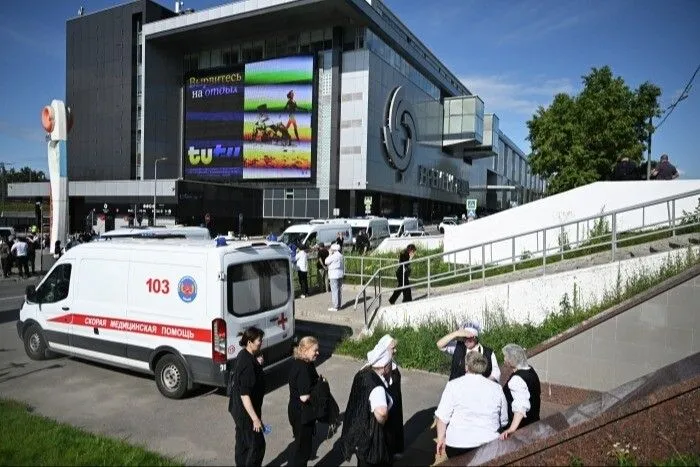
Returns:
<point x="171" y="308"/>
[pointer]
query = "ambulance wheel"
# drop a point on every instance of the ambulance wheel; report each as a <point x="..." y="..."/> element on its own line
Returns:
<point x="34" y="343"/>
<point x="171" y="377"/>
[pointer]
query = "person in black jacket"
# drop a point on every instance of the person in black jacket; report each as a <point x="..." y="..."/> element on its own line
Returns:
<point x="247" y="389"/>
<point x="462" y="341"/>
<point x="302" y="379"/>
<point x="369" y="405"/>
<point x="402" y="274"/>
<point x="395" y="431"/>
<point x="522" y="390"/>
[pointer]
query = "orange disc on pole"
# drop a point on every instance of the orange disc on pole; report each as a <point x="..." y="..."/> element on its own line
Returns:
<point x="47" y="118"/>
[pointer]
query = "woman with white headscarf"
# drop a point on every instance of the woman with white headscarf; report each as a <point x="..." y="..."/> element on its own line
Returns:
<point x="395" y="422"/>
<point x="368" y="410"/>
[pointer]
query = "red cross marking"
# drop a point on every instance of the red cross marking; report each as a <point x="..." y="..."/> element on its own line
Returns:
<point x="282" y="321"/>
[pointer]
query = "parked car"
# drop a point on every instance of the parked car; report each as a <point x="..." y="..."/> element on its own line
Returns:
<point x="448" y="221"/>
<point x="414" y="233"/>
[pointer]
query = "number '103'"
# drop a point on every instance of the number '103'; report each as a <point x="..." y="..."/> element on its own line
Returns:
<point x="158" y="286"/>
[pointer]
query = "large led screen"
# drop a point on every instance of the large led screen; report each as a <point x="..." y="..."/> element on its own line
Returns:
<point x="250" y="122"/>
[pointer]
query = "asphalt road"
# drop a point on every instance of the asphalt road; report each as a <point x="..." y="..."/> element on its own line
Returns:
<point x="198" y="430"/>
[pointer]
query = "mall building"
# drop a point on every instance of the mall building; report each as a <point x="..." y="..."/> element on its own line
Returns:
<point x="272" y="110"/>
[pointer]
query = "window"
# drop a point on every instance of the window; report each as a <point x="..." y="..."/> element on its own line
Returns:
<point x="55" y="288"/>
<point x="258" y="286"/>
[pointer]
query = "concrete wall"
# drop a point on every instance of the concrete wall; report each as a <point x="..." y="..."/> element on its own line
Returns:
<point x="578" y="203"/>
<point x="643" y="339"/>
<point x="429" y="242"/>
<point x="524" y="301"/>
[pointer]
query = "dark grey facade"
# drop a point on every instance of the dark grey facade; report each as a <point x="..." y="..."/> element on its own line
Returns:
<point x="102" y="54"/>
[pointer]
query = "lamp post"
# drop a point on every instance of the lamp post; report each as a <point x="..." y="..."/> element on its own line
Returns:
<point x="155" y="186"/>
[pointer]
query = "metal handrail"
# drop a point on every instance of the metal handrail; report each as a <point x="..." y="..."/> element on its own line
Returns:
<point x="613" y="241"/>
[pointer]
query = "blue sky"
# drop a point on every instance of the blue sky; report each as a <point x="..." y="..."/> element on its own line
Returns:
<point x="515" y="54"/>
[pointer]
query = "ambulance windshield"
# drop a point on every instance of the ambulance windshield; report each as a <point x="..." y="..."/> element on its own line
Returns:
<point x="258" y="286"/>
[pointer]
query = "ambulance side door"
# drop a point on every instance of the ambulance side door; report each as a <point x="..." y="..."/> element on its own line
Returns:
<point x="53" y="299"/>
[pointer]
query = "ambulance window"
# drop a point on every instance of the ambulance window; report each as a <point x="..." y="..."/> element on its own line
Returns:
<point x="258" y="286"/>
<point x="55" y="287"/>
<point x="311" y="240"/>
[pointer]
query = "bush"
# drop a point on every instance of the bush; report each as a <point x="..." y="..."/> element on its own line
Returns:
<point x="417" y="347"/>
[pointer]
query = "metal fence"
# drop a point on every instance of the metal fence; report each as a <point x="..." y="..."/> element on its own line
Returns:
<point x="594" y="234"/>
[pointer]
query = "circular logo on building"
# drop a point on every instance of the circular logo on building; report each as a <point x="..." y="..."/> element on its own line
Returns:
<point x="399" y="130"/>
<point x="187" y="289"/>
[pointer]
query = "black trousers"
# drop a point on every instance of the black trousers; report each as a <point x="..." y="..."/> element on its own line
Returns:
<point x="304" y="282"/>
<point x="250" y="445"/>
<point x="402" y="280"/>
<point x="22" y="265"/>
<point x="454" y="452"/>
<point x="303" y="438"/>
<point x="6" y="266"/>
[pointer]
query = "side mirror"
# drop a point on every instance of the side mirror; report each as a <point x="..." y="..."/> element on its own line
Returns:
<point x="30" y="293"/>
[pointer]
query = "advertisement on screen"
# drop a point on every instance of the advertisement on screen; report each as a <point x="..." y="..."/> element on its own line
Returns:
<point x="250" y="122"/>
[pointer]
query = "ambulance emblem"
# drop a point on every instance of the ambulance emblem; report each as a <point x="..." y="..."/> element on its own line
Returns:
<point x="187" y="289"/>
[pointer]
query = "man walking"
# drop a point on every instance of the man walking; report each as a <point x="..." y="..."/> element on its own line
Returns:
<point x="20" y="250"/>
<point x="321" y="267"/>
<point x="402" y="273"/>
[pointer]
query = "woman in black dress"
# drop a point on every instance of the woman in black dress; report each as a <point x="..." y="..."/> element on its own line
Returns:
<point x="302" y="378"/>
<point x="245" y="402"/>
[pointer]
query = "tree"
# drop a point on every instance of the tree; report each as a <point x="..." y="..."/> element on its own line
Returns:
<point x="578" y="139"/>
<point x="24" y="175"/>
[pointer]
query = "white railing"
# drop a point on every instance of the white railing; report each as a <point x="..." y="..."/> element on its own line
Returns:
<point x="603" y="236"/>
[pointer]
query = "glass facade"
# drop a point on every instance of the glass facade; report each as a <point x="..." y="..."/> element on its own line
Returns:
<point x="280" y="45"/>
<point x="391" y="57"/>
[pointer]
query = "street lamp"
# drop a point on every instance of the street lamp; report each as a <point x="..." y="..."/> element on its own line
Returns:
<point x="155" y="185"/>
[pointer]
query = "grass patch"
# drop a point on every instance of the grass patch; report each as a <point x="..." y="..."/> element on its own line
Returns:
<point x="30" y="439"/>
<point x="417" y="347"/>
<point x="680" y="460"/>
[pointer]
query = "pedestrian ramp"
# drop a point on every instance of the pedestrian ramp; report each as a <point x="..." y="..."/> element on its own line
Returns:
<point x="621" y="378"/>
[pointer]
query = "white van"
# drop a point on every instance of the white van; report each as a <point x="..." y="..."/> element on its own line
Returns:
<point x="192" y="233"/>
<point x="7" y="232"/>
<point x="398" y="227"/>
<point x="312" y="234"/>
<point x="377" y="229"/>
<point x="172" y="308"/>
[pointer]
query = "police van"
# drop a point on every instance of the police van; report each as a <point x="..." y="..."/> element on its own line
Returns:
<point x="172" y="308"/>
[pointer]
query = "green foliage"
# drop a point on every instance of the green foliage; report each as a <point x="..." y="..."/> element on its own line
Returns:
<point x="578" y="139"/>
<point x="25" y="174"/>
<point x="417" y="347"/>
<point x="29" y="439"/>
<point x="680" y="460"/>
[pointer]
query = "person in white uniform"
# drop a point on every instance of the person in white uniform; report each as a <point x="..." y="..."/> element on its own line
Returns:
<point x="472" y="410"/>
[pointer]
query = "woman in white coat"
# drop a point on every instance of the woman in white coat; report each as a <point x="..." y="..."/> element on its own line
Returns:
<point x="336" y="272"/>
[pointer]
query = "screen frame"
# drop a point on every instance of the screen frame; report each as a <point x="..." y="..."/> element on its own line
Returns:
<point x="278" y="181"/>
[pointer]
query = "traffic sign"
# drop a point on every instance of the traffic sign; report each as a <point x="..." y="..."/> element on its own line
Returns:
<point x="471" y="204"/>
<point x="471" y="214"/>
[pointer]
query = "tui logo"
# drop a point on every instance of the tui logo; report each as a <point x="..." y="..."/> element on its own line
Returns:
<point x="204" y="156"/>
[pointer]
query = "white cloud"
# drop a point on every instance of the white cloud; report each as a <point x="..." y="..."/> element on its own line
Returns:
<point x="505" y="96"/>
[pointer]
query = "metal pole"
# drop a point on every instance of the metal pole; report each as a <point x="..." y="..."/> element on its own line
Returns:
<point x="155" y="186"/>
<point x="544" y="252"/>
<point x="428" y="277"/>
<point x="651" y="130"/>
<point x="41" y="239"/>
<point x="614" y="236"/>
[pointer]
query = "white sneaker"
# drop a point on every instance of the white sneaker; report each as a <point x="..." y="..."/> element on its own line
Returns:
<point x="302" y="296"/>
<point x="332" y="309"/>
